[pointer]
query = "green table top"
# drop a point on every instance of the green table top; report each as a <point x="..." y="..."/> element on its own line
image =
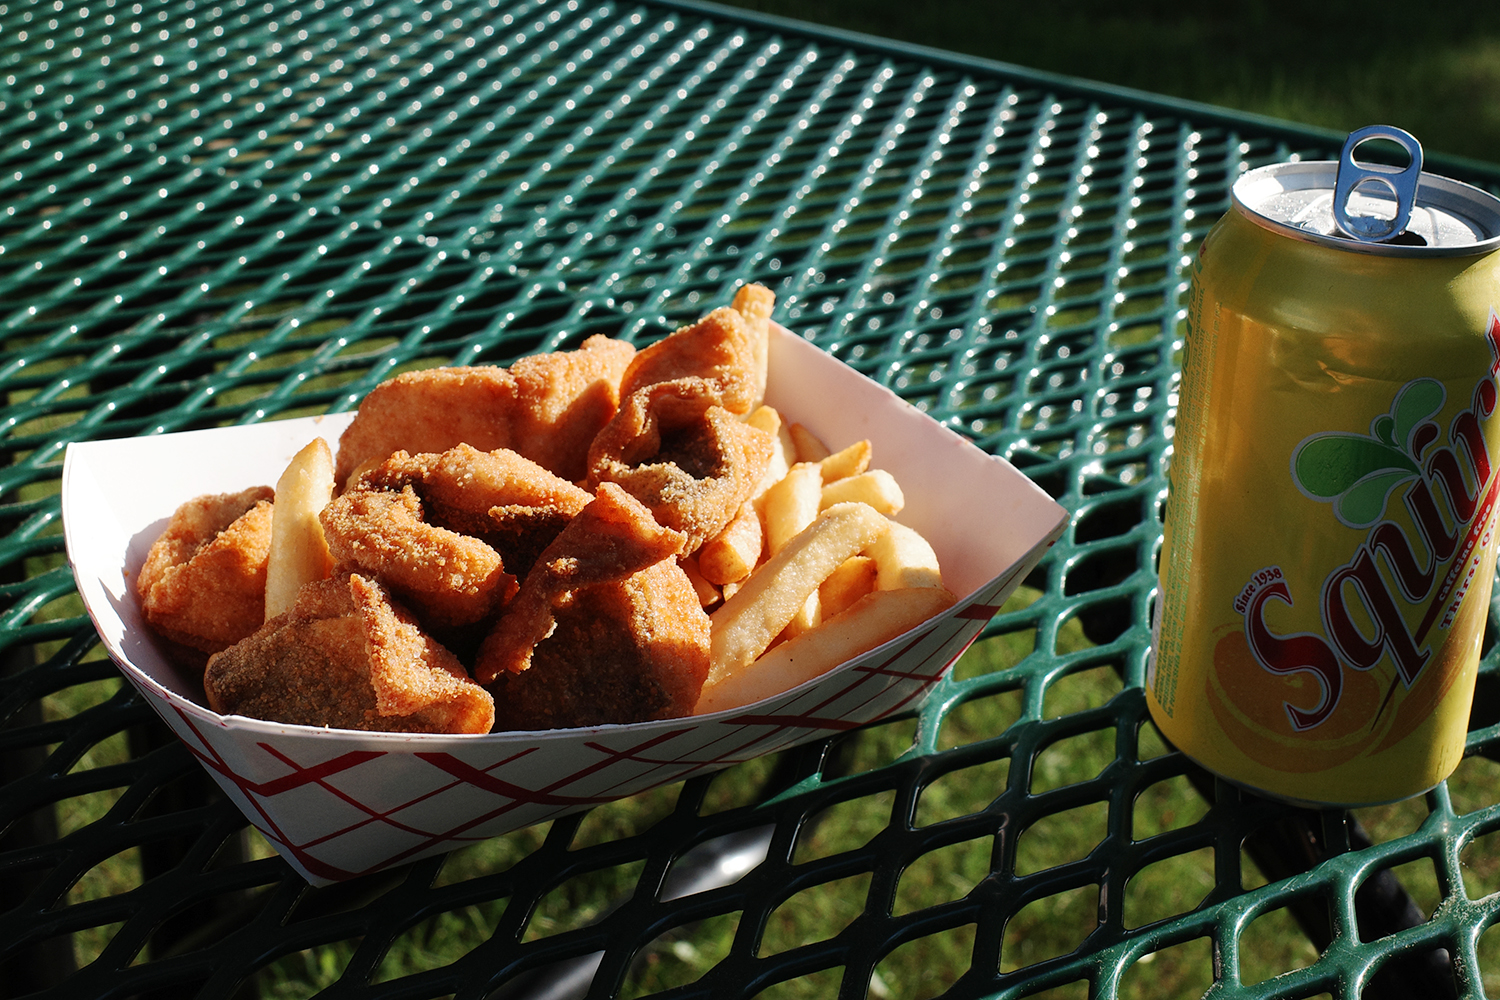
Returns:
<point x="226" y="212"/>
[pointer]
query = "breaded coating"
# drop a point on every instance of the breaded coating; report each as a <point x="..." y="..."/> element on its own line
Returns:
<point x="627" y="652"/>
<point x="693" y="465"/>
<point x="613" y="537"/>
<point x="448" y="578"/>
<point x="720" y="349"/>
<point x="564" y="399"/>
<point x="547" y="407"/>
<point x="204" y="580"/>
<point x="677" y="443"/>
<point x="607" y="628"/>
<point x="511" y="503"/>
<point x="349" y="657"/>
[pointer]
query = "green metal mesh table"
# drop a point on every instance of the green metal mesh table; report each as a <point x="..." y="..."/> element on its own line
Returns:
<point x="225" y="212"/>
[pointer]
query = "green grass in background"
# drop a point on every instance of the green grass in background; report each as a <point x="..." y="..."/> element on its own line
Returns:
<point x="1432" y="69"/>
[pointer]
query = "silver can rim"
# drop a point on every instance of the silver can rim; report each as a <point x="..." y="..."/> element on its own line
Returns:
<point x="1434" y="190"/>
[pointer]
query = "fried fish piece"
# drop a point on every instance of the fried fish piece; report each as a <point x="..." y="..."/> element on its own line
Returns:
<point x="450" y="533"/>
<point x="693" y="465"/>
<point x="677" y="442"/>
<point x="509" y="502"/>
<point x="547" y="407"/>
<point x="347" y="656"/>
<point x="449" y="578"/>
<point x="607" y="627"/>
<point x="203" y="584"/>
<point x="719" y="350"/>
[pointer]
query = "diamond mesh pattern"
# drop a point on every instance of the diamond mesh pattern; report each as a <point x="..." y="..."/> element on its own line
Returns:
<point x="225" y="212"/>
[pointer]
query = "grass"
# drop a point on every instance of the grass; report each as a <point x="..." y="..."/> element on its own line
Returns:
<point x="1337" y="64"/>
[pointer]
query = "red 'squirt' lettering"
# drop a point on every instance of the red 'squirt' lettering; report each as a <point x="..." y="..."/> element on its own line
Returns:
<point x="1390" y="629"/>
<point x="1424" y="512"/>
<point x="1360" y="595"/>
<point x="1423" y="435"/>
<point x="1294" y="653"/>
<point x="1467" y="436"/>
<point x="1414" y="581"/>
<point x="1467" y="432"/>
<point x="1492" y="334"/>
<point x="1444" y="467"/>
<point x="1484" y="398"/>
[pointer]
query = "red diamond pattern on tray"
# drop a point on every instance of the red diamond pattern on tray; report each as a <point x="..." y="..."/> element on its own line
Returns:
<point x="333" y="817"/>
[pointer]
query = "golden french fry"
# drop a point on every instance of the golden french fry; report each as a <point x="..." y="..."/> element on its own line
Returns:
<point x="362" y="468"/>
<point x="766" y="418"/>
<point x="854" y="578"/>
<point x="299" y="553"/>
<point x="754" y="303"/>
<point x="850" y="461"/>
<point x="708" y="594"/>
<point x="734" y="552"/>
<point x="875" y="618"/>
<point x="905" y="560"/>
<point x="808" y="617"/>
<point x="877" y="488"/>
<point x="809" y="448"/>
<point x="747" y="622"/>
<point x="791" y="504"/>
<point x="786" y="446"/>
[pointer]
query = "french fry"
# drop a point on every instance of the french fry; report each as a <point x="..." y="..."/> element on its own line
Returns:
<point x="850" y="461"/>
<point x="877" y="488"/>
<point x="875" y="618"/>
<point x="299" y="553"/>
<point x="809" y="448"/>
<point x="767" y="419"/>
<point x="708" y="594"/>
<point x="791" y="504"/>
<point x="905" y="559"/>
<point x="362" y="468"/>
<point x="754" y="303"/>
<point x="734" y="552"/>
<point x="807" y="618"/>
<point x="745" y="624"/>
<point x="854" y="578"/>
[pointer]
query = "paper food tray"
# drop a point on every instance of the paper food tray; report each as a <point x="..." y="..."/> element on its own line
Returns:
<point x="338" y="804"/>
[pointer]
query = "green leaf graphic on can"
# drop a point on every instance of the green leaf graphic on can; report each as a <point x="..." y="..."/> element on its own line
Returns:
<point x="1357" y="472"/>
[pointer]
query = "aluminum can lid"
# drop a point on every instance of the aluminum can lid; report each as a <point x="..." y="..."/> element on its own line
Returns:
<point x="1375" y="210"/>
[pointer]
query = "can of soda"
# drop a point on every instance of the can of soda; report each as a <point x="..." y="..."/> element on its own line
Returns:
<point x="1328" y="552"/>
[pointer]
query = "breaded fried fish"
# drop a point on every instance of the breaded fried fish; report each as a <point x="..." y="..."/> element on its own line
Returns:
<point x="677" y="442"/>
<point x="607" y="628"/>
<point x="547" y="407"/>
<point x="346" y="655"/>
<point x="719" y="351"/>
<point x="203" y="584"/>
<point x="510" y="503"/>
<point x="692" y="463"/>
<point x="449" y="578"/>
<point x="449" y="533"/>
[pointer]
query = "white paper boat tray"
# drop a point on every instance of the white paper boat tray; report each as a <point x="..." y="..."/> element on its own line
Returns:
<point x="338" y="804"/>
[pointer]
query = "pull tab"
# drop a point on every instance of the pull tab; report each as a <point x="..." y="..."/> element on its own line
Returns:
<point x="1401" y="183"/>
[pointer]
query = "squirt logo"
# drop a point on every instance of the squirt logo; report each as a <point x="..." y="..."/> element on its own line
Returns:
<point x="1408" y="573"/>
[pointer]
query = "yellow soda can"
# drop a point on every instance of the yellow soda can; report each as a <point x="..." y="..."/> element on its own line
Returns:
<point x="1329" y="540"/>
